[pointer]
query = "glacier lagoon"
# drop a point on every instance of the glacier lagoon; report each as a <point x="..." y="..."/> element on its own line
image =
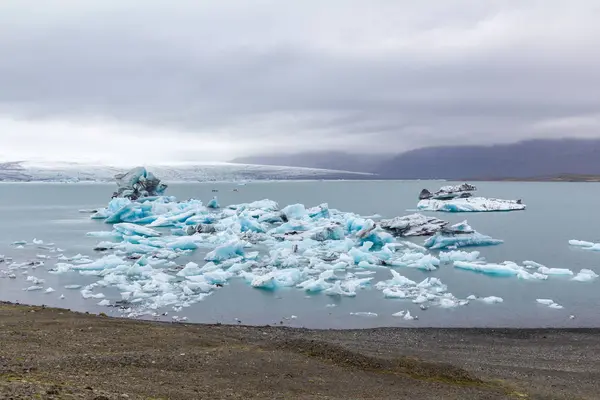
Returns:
<point x="50" y="212"/>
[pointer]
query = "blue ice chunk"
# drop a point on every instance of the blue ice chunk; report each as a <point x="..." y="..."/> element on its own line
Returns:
<point x="331" y="232"/>
<point x="201" y="219"/>
<point x="509" y="269"/>
<point x="292" y="226"/>
<point x="378" y="237"/>
<point x="250" y="224"/>
<point x="183" y="243"/>
<point x="319" y="212"/>
<point x="226" y="251"/>
<point x="145" y="220"/>
<point x="126" y="228"/>
<point x="441" y="241"/>
<point x="214" y="203"/>
<point x="123" y="214"/>
<point x="117" y="203"/>
<point x="294" y="211"/>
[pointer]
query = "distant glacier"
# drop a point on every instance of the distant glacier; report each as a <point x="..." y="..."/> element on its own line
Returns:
<point x="29" y="171"/>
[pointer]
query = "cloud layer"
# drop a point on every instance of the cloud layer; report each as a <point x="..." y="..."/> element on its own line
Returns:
<point x="198" y="81"/>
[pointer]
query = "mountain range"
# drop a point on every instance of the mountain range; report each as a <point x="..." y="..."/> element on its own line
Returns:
<point x="526" y="159"/>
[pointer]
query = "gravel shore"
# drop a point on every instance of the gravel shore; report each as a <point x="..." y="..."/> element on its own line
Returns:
<point x="50" y="353"/>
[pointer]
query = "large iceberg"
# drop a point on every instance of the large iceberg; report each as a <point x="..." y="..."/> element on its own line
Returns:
<point x="448" y="192"/>
<point x="460" y="199"/>
<point x="473" y="204"/>
<point x="138" y="183"/>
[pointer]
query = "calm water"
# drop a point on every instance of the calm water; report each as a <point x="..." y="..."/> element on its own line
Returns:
<point x="556" y="213"/>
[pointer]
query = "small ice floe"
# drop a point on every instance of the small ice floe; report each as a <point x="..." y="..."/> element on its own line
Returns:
<point x="585" y="245"/>
<point x="72" y="287"/>
<point x="492" y="299"/>
<point x="35" y="281"/>
<point x="550" y="303"/>
<point x="404" y="315"/>
<point x="331" y="305"/>
<point x="38" y="242"/>
<point x="458" y="255"/>
<point x="33" y="288"/>
<point x="49" y="290"/>
<point x="364" y="314"/>
<point x="62" y="296"/>
<point x="104" y="302"/>
<point x="585" y="275"/>
<point x="19" y="243"/>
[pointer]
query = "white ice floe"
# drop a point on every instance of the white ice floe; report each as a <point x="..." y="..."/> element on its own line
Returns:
<point x="457" y="255"/>
<point x="49" y="290"/>
<point x="492" y="299"/>
<point x="446" y="241"/>
<point x="364" y="314"/>
<point x="550" y="303"/>
<point x="472" y="204"/>
<point x="585" y="275"/>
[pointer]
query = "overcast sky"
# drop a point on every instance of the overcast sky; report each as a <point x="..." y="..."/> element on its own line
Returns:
<point x="189" y="80"/>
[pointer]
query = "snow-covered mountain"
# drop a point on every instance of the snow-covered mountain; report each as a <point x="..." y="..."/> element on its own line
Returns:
<point x="28" y="171"/>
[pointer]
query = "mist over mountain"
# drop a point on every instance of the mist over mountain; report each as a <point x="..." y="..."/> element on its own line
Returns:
<point x="526" y="159"/>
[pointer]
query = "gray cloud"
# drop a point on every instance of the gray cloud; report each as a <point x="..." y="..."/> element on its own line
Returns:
<point x="240" y="77"/>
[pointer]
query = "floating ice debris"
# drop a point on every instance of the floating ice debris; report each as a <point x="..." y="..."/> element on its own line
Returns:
<point x="554" y="271"/>
<point x="445" y="241"/>
<point x="72" y="287"/>
<point x="506" y="268"/>
<point x="32" y="288"/>
<point x="104" y="302"/>
<point x="364" y="314"/>
<point x="413" y="225"/>
<point x="457" y="255"/>
<point x="130" y="229"/>
<point x="585" y="275"/>
<point x="37" y="242"/>
<point x="550" y="303"/>
<point x="404" y="315"/>
<point x="473" y="204"/>
<point x="472" y="297"/>
<point x="35" y="281"/>
<point x="19" y="243"/>
<point x="331" y="305"/>
<point x="492" y="299"/>
<point x="49" y="290"/>
<point x="585" y="245"/>
<point x="532" y="264"/>
<point x="62" y="296"/>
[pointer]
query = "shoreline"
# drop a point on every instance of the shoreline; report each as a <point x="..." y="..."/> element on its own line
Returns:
<point x="56" y="353"/>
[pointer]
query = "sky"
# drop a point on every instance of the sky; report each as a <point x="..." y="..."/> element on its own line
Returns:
<point x="186" y="81"/>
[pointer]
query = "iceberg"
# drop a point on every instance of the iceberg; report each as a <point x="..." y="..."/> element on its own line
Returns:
<point x="492" y="299"/>
<point x="554" y="271"/>
<point x="585" y="275"/>
<point x="444" y="241"/>
<point x="226" y="251"/>
<point x="457" y="255"/>
<point x="473" y="204"/>
<point x="490" y="269"/>
<point x="125" y="228"/>
<point x="413" y="225"/>
<point x="138" y="183"/>
<point x="448" y="192"/>
<point x="585" y="245"/>
<point x="213" y="203"/>
<point x="550" y="303"/>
